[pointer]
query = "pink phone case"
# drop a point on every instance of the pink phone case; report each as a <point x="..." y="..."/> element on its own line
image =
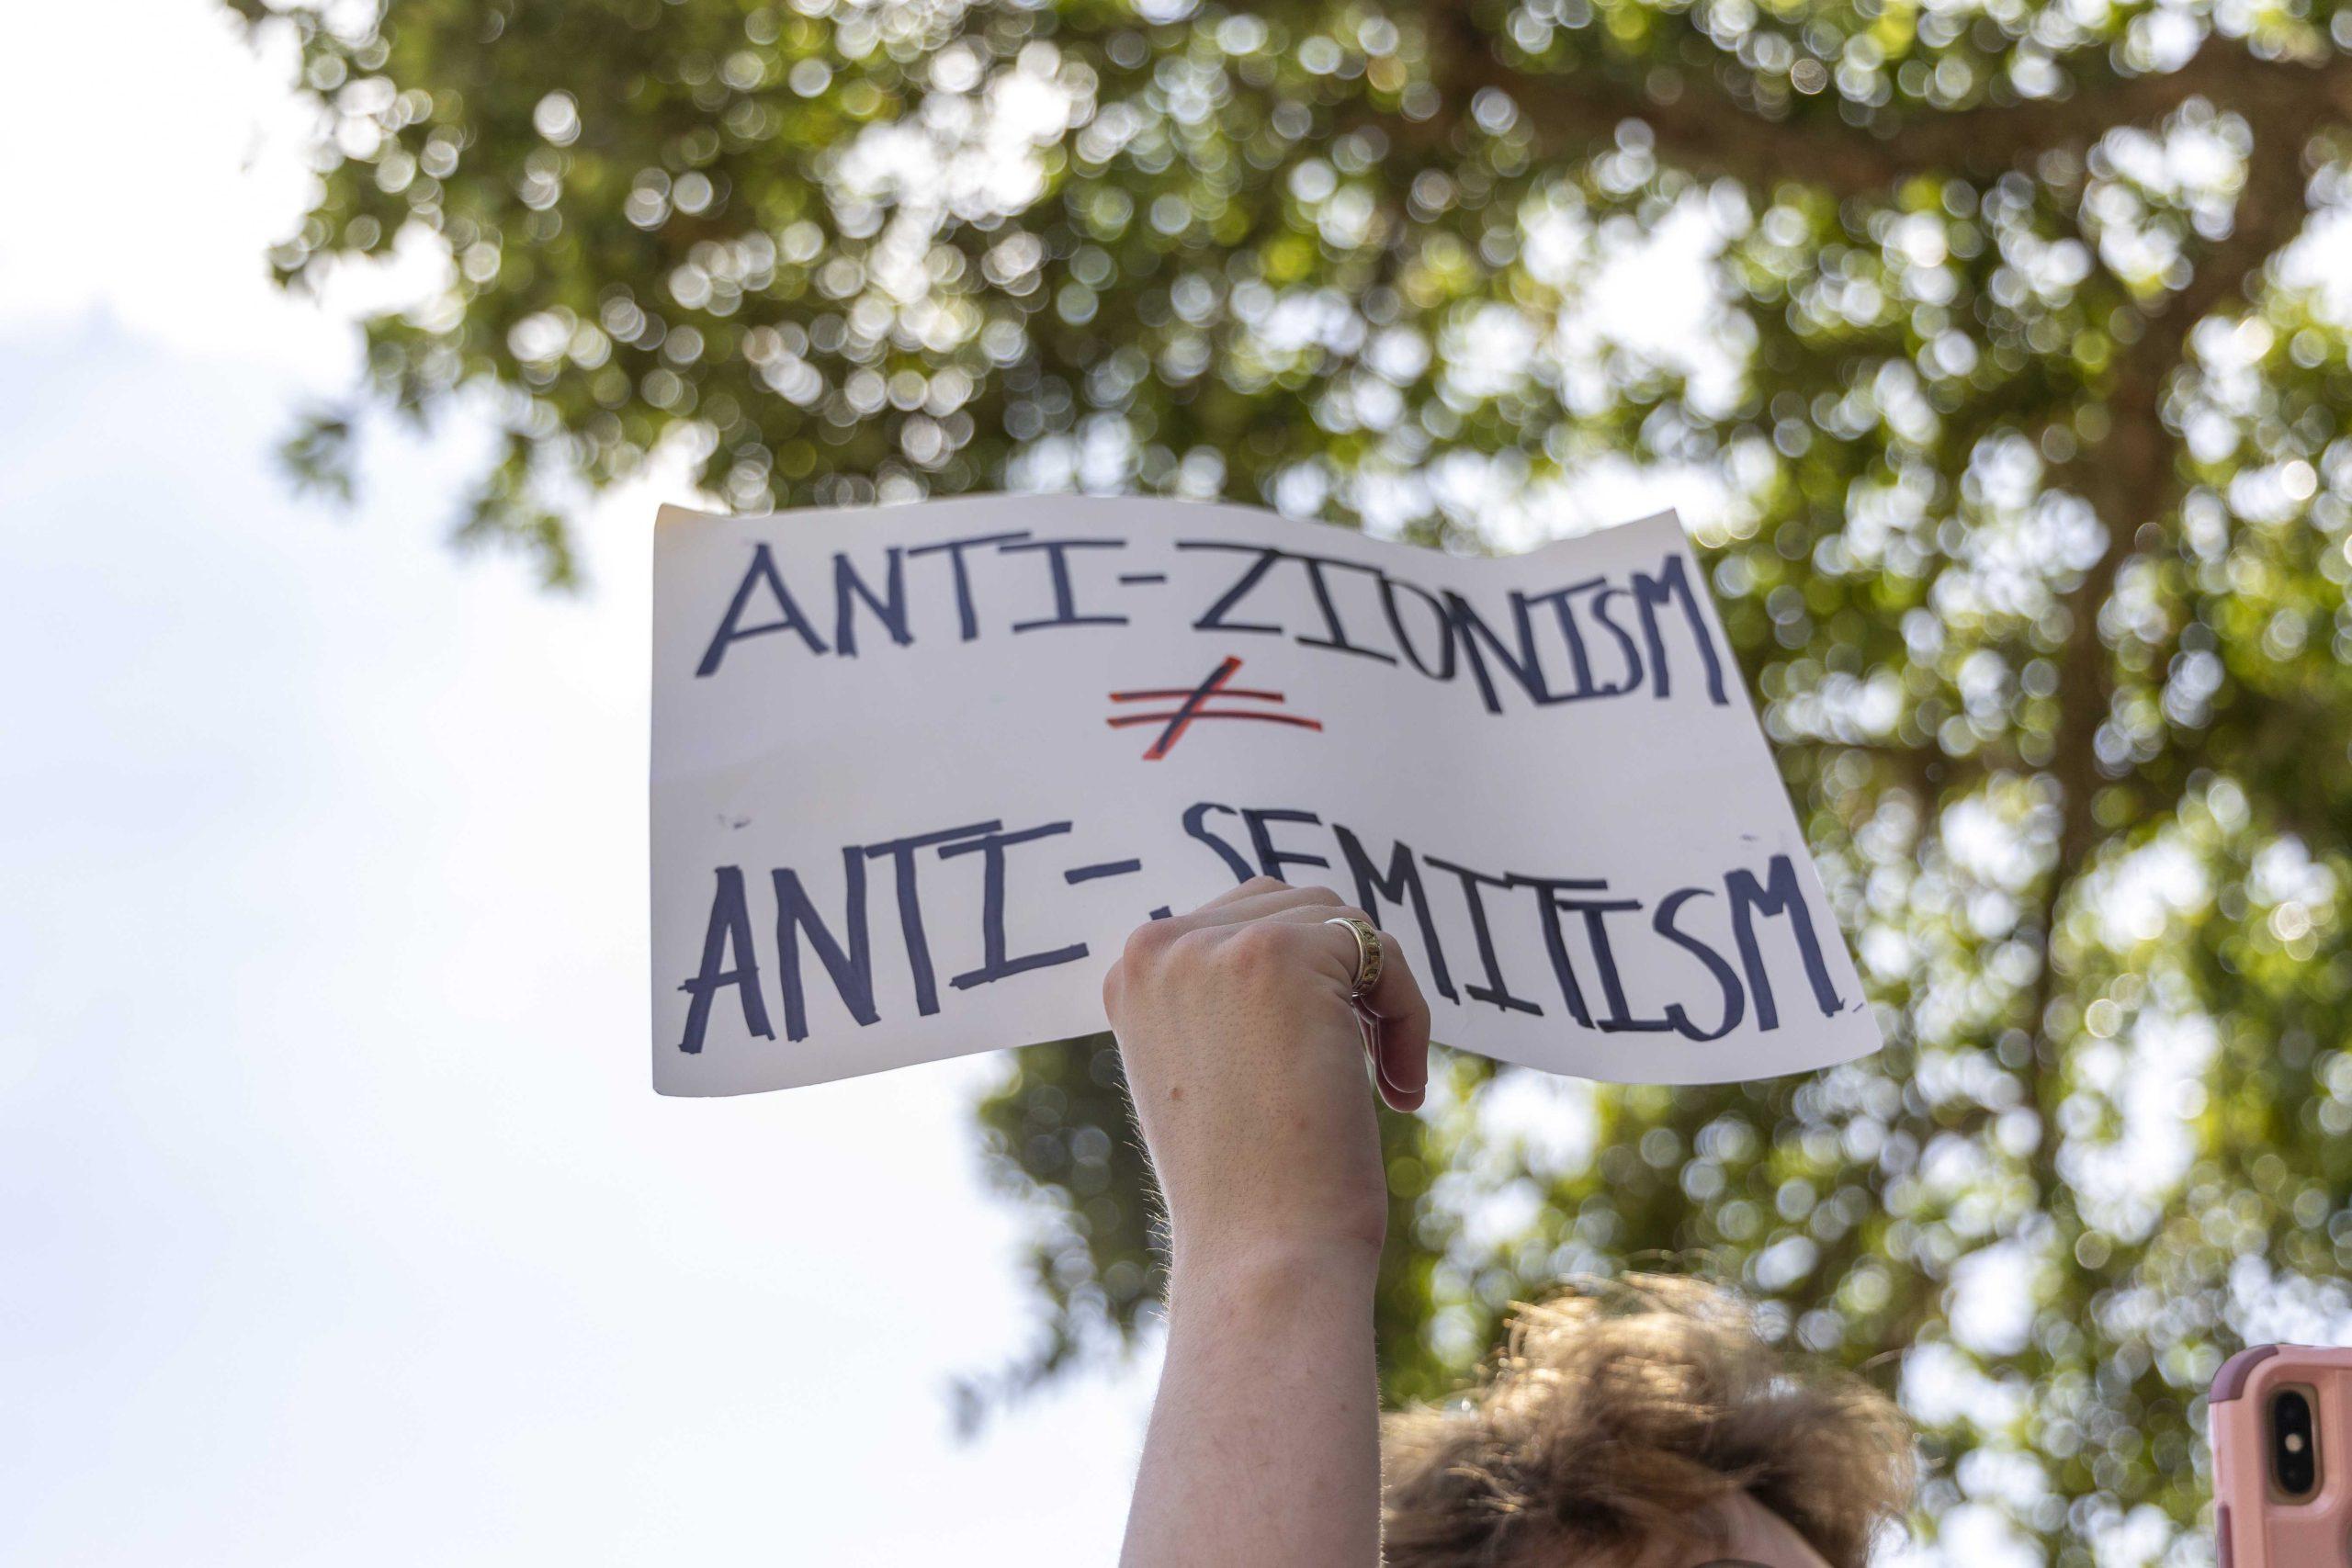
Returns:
<point x="2256" y="1526"/>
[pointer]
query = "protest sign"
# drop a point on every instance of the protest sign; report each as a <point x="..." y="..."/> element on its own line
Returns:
<point x="917" y="771"/>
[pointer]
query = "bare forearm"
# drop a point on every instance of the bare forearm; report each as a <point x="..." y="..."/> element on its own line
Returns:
<point x="1242" y="1027"/>
<point x="1264" y="1440"/>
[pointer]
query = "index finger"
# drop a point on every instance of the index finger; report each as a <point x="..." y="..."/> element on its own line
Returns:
<point x="1400" y="1039"/>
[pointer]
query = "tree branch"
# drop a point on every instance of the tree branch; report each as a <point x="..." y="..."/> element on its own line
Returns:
<point x="2133" y="476"/>
<point x="1710" y="127"/>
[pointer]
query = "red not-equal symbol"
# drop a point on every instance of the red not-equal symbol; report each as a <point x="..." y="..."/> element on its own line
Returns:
<point x="1194" y="705"/>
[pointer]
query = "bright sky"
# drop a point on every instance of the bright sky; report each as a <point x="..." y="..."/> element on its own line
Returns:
<point x="337" y="1221"/>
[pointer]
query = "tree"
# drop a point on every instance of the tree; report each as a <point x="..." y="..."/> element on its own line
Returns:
<point x="2021" y="399"/>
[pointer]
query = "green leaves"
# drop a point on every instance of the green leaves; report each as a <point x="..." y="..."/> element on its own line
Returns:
<point x="2012" y="427"/>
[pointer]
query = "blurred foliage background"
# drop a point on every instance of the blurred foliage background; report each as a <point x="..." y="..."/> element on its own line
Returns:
<point x="2007" y="397"/>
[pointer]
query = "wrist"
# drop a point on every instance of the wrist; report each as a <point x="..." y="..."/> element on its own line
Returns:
<point x="1256" y="1273"/>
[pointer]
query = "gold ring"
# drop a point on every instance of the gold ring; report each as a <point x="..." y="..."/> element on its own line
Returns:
<point x="1368" y="954"/>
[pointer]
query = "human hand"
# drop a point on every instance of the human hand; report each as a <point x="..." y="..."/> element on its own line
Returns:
<point x="1246" y="1060"/>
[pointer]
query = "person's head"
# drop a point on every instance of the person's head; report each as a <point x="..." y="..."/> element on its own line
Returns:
<point x="1645" y="1424"/>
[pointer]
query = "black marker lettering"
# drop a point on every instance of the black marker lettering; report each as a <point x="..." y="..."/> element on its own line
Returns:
<point x="1782" y="894"/>
<point x="966" y="618"/>
<point x="1555" y="941"/>
<point x="852" y="968"/>
<point x="1057" y="561"/>
<point x="1526" y="670"/>
<point x="1653" y="594"/>
<point x="1196" y="827"/>
<point x="902" y="859"/>
<point x="1619" y="1018"/>
<point x="1580" y="660"/>
<point x="1214" y="621"/>
<point x="731" y="629"/>
<point x="1079" y="873"/>
<point x="891" y="606"/>
<point x="1727" y="978"/>
<point x="1626" y="646"/>
<point x="1444" y="668"/>
<point x="1337" y="639"/>
<point x="1494" y="990"/>
<point x="994" y="963"/>
<point x="1272" y="861"/>
<point x="730" y="926"/>
<point x="1401" y="885"/>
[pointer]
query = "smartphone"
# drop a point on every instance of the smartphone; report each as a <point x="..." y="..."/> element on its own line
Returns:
<point x="2281" y="1419"/>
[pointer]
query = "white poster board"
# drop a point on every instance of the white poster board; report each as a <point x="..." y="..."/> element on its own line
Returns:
<point x="917" y="771"/>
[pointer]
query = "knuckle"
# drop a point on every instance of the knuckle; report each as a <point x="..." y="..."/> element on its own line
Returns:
<point x="1148" y="943"/>
<point x="1317" y="893"/>
<point x="1193" y="946"/>
<point x="1163" y="956"/>
<point x="1262" y="882"/>
<point x="1259" y="947"/>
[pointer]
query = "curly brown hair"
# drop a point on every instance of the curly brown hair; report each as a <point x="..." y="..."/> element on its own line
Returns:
<point x="1621" y="1415"/>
